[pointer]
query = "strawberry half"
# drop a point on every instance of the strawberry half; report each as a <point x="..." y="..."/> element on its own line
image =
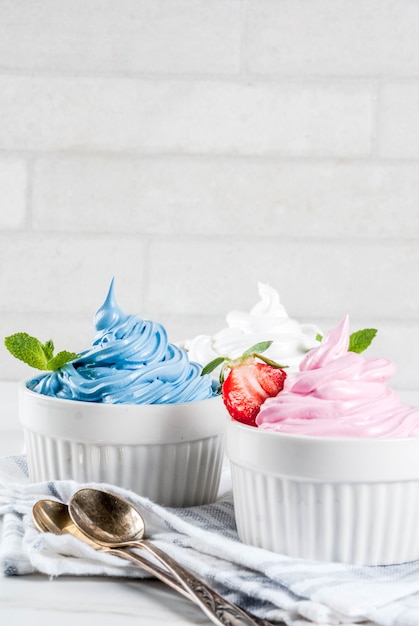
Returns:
<point x="248" y="382"/>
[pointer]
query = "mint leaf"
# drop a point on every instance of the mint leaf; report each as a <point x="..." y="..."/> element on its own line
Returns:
<point x="319" y="337"/>
<point x="361" y="339"/>
<point x="61" y="359"/>
<point x="36" y="354"/>
<point x="27" y="349"/>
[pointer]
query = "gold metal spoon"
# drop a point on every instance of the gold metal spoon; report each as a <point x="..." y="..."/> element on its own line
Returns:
<point x="113" y="522"/>
<point x="53" y="516"/>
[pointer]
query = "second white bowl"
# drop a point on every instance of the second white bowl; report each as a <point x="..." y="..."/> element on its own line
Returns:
<point x="323" y="498"/>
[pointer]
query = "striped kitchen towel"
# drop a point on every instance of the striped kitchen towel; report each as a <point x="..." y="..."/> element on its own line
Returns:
<point x="204" y="539"/>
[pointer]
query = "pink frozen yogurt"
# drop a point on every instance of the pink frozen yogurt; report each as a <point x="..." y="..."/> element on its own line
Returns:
<point x="338" y="393"/>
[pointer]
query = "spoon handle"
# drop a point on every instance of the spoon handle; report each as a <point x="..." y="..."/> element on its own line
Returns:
<point x="149" y="567"/>
<point x="164" y="576"/>
<point x="219" y="610"/>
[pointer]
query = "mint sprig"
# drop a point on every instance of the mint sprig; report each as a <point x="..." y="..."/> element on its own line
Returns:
<point x="37" y="354"/>
<point x="359" y="341"/>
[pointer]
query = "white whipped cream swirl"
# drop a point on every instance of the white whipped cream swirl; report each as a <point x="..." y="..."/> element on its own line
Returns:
<point x="266" y="321"/>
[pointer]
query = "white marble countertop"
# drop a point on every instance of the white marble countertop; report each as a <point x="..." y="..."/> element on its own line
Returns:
<point x="87" y="601"/>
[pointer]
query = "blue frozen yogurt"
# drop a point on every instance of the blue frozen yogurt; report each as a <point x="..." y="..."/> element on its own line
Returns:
<point x="130" y="362"/>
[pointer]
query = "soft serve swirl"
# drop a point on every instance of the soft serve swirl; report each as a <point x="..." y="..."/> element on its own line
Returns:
<point x="130" y="362"/>
<point x="266" y="321"/>
<point x="339" y="393"/>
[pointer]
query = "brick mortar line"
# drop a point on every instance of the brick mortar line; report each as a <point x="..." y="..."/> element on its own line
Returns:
<point x="239" y="76"/>
<point x="271" y="157"/>
<point x="151" y="238"/>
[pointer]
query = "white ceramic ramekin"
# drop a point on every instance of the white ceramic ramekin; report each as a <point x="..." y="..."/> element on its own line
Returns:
<point x="329" y="499"/>
<point x="170" y="453"/>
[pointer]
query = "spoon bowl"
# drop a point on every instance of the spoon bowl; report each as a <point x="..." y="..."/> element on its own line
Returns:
<point x="107" y="518"/>
<point x="53" y="516"/>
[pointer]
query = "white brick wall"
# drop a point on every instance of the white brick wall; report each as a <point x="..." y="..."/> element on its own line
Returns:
<point x="121" y="36"/>
<point x="192" y="148"/>
<point x="333" y="38"/>
<point x="13" y="188"/>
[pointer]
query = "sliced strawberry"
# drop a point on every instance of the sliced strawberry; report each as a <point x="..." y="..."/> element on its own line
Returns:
<point x="246" y="388"/>
<point x="271" y="379"/>
<point x="248" y="382"/>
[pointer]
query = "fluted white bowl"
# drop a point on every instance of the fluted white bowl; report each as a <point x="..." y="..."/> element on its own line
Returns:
<point x="323" y="498"/>
<point x="170" y="453"/>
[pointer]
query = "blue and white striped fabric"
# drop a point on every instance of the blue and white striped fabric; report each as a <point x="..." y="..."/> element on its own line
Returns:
<point x="204" y="539"/>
